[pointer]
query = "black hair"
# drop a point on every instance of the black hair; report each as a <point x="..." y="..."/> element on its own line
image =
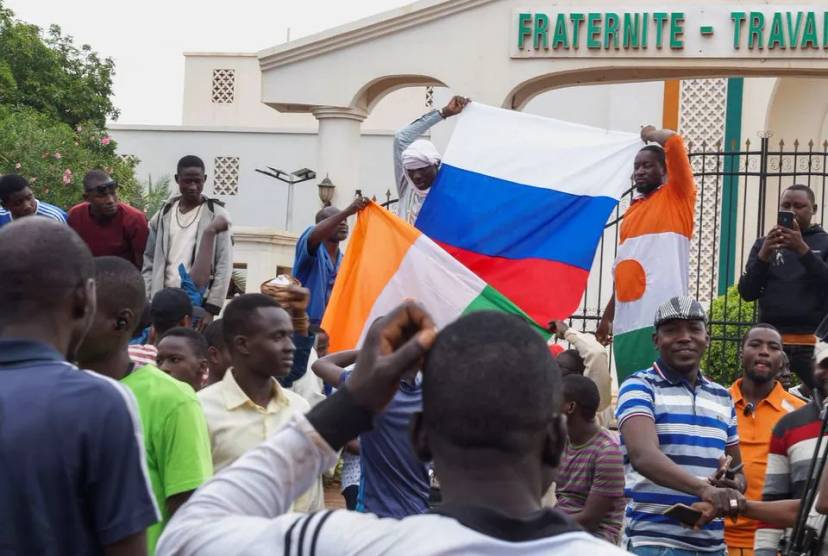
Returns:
<point x="93" y="177"/>
<point x="324" y="213"/>
<point x="239" y="312"/>
<point x="214" y="334"/>
<point x="169" y="306"/>
<point x="575" y="357"/>
<point x="801" y="187"/>
<point x="195" y="339"/>
<point x="490" y="382"/>
<point x="10" y="184"/>
<point x="189" y="161"/>
<point x="759" y="325"/>
<point x="659" y="152"/>
<point x="584" y="392"/>
<point x="43" y="261"/>
<point x="119" y="285"/>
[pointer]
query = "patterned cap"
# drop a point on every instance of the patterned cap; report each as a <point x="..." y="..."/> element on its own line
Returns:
<point x="682" y="307"/>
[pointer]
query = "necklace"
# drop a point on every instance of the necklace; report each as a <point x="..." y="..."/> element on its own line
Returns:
<point x="190" y="223"/>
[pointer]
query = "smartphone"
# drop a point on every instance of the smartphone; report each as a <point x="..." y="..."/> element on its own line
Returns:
<point x="785" y="219"/>
<point x="683" y="514"/>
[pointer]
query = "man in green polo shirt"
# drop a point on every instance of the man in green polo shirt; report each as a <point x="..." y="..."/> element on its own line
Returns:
<point x="175" y="432"/>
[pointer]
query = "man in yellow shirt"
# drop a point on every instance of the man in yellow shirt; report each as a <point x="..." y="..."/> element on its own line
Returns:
<point x="248" y="405"/>
<point x="760" y="402"/>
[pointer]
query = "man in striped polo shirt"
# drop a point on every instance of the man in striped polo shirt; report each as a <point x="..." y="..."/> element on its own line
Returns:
<point x="677" y="426"/>
<point x="18" y="201"/>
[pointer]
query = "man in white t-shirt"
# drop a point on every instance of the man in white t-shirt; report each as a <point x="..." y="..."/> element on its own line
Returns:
<point x="490" y="423"/>
<point x="176" y="232"/>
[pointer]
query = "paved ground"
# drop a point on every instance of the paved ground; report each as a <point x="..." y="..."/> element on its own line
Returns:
<point x="333" y="499"/>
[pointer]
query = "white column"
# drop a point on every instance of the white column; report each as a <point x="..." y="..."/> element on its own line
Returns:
<point x="338" y="149"/>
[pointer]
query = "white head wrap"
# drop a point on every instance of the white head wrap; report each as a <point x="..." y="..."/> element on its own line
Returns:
<point x="420" y="154"/>
<point x="820" y="352"/>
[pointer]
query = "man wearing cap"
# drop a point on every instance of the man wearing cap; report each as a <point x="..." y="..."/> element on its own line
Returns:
<point x="108" y="226"/>
<point x="416" y="161"/>
<point x="677" y="427"/>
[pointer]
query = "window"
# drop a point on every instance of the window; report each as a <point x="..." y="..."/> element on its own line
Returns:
<point x="226" y="175"/>
<point x="130" y="159"/>
<point x="224" y="86"/>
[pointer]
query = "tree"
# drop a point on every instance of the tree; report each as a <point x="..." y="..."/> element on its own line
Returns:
<point x="730" y="318"/>
<point x="46" y="72"/>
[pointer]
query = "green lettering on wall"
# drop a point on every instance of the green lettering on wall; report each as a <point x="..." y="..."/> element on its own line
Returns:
<point x="645" y="23"/>
<point x="560" y="38"/>
<point x="593" y="31"/>
<point x="611" y="30"/>
<point x="755" y="30"/>
<point x="524" y="28"/>
<point x="793" y="32"/>
<point x="825" y="29"/>
<point x="659" y="18"/>
<point x="809" y="35"/>
<point x="676" y="30"/>
<point x="738" y="18"/>
<point x="541" y="33"/>
<point x="776" y="38"/>
<point x="632" y="30"/>
<point x="577" y="20"/>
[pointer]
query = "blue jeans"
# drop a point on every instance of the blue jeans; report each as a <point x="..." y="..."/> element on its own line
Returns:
<point x="667" y="551"/>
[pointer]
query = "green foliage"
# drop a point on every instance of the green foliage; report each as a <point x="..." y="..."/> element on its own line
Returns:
<point x="47" y="72"/>
<point x="154" y="195"/>
<point x="54" y="157"/>
<point x="730" y="317"/>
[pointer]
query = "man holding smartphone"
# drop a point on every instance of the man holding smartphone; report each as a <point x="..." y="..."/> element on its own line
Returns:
<point x="787" y="272"/>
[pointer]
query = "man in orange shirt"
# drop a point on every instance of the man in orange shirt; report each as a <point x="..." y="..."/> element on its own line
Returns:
<point x="760" y="402"/>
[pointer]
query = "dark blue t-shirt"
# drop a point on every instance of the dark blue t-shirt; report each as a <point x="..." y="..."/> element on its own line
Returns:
<point x="394" y="481"/>
<point x="72" y="474"/>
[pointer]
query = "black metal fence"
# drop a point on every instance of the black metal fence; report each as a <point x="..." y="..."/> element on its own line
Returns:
<point x="739" y="193"/>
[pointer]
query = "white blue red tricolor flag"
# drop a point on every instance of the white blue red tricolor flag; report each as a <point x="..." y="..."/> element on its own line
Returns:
<point x="522" y="201"/>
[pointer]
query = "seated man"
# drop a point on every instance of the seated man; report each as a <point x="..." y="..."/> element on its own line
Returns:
<point x="17" y="201"/>
<point x="495" y="448"/>
<point x="182" y="354"/>
<point x="590" y="479"/>
<point x="394" y="480"/>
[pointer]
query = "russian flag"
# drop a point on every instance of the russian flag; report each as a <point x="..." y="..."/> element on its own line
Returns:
<point x="522" y="201"/>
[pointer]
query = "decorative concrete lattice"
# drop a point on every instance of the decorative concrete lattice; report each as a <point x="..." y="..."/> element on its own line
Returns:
<point x="226" y="175"/>
<point x="130" y="159"/>
<point x="702" y="121"/>
<point x="224" y="86"/>
<point x="429" y="98"/>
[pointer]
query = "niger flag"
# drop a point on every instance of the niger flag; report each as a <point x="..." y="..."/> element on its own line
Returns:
<point x="652" y="264"/>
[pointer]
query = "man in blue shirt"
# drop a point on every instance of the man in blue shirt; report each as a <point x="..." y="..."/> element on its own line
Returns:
<point x="17" y="201"/>
<point x="74" y="478"/>
<point x="316" y="267"/>
<point x="394" y="481"/>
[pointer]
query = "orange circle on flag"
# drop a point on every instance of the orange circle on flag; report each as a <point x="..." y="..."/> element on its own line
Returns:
<point x="630" y="281"/>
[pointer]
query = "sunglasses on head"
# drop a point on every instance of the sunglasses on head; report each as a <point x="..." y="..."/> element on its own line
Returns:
<point x="104" y="188"/>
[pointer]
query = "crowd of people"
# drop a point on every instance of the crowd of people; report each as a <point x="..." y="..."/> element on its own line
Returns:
<point x="134" y="420"/>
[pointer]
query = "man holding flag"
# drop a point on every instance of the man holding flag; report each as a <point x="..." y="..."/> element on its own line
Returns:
<point x="652" y="264"/>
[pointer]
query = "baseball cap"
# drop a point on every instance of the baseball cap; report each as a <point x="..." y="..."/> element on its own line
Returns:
<point x="681" y="307"/>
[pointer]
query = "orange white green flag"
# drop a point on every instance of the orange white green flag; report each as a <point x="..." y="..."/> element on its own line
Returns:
<point x="388" y="261"/>
<point x="652" y="264"/>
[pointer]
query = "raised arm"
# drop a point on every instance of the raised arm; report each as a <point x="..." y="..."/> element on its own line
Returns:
<point x="596" y="363"/>
<point x="679" y="172"/>
<point x="326" y="228"/>
<point x="203" y="263"/>
<point x="407" y="135"/>
<point x="331" y="367"/>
